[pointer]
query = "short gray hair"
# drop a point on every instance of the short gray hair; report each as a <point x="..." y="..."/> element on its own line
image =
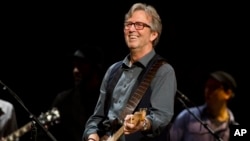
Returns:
<point x="156" y="24"/>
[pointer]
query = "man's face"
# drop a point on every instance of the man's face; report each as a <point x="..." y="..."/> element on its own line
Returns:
<point x="81" y="70"/>
<point x="215" y="93"/>
<point x="138" y="38"/>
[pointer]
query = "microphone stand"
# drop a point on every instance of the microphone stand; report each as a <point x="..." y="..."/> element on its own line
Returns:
<point x="198" y="119"/>
<point x="5" y="87"/>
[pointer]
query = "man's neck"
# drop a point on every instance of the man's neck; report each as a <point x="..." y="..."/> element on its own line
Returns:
<point x="220" y="114"/>
<point x="136" y="55"/>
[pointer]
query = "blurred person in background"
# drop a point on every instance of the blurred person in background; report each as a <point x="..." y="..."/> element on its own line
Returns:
<point x="8" y="122"/>
<point x="77" y="103"/>
<point x="219" y="90"/>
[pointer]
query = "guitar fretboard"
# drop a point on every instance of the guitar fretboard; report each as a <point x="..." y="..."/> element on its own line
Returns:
<point x="46" y="119"/>
<point x="117" y="134"/>
<point x="18" y="133"/>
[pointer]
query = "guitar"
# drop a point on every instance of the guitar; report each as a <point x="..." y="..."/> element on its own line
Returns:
<point x="49" y="118"/>
<point x="137" y="117"/>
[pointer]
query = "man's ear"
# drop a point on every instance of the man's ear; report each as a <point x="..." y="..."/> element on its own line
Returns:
<point x="229" y="94"/>
<point x="153" y="36"/>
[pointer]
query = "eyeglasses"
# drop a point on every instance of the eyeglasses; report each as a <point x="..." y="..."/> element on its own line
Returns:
<point x="137" y="25"/>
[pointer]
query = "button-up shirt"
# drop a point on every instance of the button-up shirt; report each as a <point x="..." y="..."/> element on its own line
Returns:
<point x="163" y="89"/>
<point x="187" y="127"/>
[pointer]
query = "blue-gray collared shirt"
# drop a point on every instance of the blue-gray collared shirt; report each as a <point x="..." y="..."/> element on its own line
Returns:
<point x="187" y="128"/>
<point x="163" y="87"/>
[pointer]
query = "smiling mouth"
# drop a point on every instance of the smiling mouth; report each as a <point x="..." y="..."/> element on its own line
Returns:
<point x="132" y="38"/>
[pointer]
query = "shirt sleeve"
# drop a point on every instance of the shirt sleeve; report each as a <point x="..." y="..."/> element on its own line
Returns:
<point x="162" y="98"/>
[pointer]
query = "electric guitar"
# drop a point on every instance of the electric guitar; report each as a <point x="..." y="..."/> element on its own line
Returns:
<point x="137" y="117"/>
<point x="49" y="118"/>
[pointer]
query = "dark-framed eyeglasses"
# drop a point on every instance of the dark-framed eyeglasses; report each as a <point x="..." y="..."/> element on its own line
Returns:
<point x="137" y="25"/>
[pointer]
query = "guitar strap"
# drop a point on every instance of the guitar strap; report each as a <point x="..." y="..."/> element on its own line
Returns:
<point x="139" y="89"/>
<point x="135" y="98"/>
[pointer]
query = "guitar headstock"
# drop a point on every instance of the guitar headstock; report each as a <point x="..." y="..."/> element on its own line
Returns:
<point x="51" y="117"/>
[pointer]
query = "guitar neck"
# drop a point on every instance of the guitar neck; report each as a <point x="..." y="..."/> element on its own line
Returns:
<point x="48" y="117"/>
<point x="117" y="134"/>
<point x="137" y="117"/>
<point x="18" y="133"/>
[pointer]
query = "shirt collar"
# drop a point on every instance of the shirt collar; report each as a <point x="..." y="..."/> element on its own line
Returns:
<point x="143" y="61"/>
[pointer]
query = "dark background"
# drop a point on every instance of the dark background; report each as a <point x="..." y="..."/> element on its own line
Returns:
<point x="197" y="38"/>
